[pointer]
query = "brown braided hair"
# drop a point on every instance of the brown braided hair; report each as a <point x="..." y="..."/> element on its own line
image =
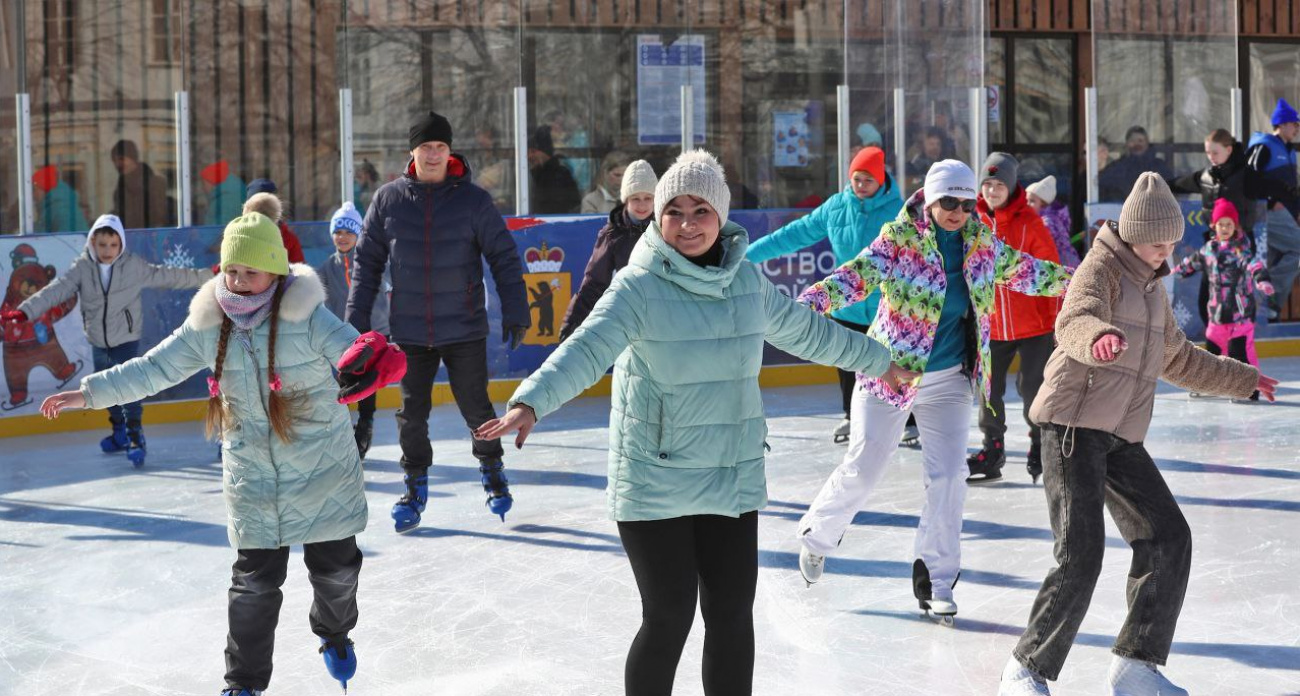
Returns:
<point x="214" y="423"/>
<point x="282" y="408"/>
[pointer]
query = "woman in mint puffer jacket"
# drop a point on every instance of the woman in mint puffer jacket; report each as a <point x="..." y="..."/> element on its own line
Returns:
<point x="686" y="320"/>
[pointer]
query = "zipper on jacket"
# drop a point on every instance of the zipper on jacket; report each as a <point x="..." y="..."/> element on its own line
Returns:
<point x="428" y="254"/>
<point x="104" y="315"/>
<point x="1067" y="442"/>
<point x="130" y="323"/>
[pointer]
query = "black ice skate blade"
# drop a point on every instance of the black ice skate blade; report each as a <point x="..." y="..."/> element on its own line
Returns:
<point x="984" y="480"/>
<point x="840" y="439"/>
<point x="6" y="406"/>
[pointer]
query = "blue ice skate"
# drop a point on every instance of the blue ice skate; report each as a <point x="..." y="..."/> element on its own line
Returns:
<point x="340" y="660"/>
<point x="497" y="486"/>
<point x="116" y="442"/>
<point x="406" y="513"/>
<point x="135" y="451"/>
<point x="241" y="692"/>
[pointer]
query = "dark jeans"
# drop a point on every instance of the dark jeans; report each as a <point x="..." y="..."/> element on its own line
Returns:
<point x="1104" y="470"/>
<point x="1034" y="353"/>
<point x="254" y="605"/>
<point x="467" y="372"/>
<point x="104" y="358"/>
<point x="711" y="557"/>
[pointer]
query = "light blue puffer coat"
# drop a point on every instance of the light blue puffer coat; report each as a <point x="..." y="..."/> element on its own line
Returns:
<point x="850" y="223"/>
<point x="277" y="494"/>
<point x="686" y="425"/>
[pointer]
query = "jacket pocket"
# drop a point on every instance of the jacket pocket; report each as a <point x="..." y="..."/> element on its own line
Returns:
<point x="664" y="437"/>
<point x="130" y="322"/>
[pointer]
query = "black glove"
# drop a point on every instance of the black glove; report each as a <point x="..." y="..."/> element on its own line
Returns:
<point x="513" y="335"/>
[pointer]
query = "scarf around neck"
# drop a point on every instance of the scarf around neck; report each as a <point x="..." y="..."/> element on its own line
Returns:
<point x="247" y="311"/>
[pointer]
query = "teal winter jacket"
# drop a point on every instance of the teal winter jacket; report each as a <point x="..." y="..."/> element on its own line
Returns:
<point x="850" y="223"/>
<point x="277" y="494"/>
<point x="686" y="426"/>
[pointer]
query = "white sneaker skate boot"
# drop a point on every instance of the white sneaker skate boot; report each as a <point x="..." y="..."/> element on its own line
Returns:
<point x="841" y="433"/>
<point x="1129" y="677"/>
<point x="810" y="565"/>
<point x="1017" y="680"/>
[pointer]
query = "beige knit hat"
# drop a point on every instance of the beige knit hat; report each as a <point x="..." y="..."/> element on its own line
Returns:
<point x="695" y="173"/>
<point x="639" y="177"/>
<point x="1151" y="214"/>
<point x="1045" y="189"/>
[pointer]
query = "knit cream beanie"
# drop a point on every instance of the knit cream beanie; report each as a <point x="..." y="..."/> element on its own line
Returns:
<point x="1151" y="214"/>
<point x="639" y="177"/>
<point x="1045" y="189"/>
<point x="695" y="173"/>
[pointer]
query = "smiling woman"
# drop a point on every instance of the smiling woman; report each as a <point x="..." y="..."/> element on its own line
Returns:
<point x="694" y="426"/>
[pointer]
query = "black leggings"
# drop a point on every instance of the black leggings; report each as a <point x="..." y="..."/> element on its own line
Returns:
<point x="674" y="561"/>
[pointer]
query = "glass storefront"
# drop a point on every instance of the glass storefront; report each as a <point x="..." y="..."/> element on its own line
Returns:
<point x="602" y="84"/>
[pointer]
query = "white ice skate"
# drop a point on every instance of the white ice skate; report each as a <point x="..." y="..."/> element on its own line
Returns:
<point x="1017" y="680"/>
<point x="841" y="433"/>
<point x="810" y="565"/>
<point x="1129" y="677"/>
<point x="911" y="436"/>
<point x="936" y="602"/>
<point x="940" y="608"/>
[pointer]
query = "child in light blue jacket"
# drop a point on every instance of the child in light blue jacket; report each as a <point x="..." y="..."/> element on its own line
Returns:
<point x="291" y="470"/>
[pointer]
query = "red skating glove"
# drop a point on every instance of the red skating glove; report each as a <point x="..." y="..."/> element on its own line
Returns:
<point x="15" y="316"/>
<point x="370" y="363"/>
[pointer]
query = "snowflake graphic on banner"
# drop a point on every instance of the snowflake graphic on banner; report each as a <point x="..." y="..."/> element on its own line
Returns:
<point x="1181" y="314"/>
<point x="178" y="257"/>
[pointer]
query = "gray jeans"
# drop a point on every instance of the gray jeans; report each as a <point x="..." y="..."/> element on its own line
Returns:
<point x="1283" y="254"/>
<point x="1105" y="471"/>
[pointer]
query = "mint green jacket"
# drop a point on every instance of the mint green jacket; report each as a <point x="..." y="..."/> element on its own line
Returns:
<point x="277" y="494"/>
<point x="686" y="425"/>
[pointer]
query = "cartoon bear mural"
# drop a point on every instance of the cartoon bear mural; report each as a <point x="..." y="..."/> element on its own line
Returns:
<point x="33" y="343"/>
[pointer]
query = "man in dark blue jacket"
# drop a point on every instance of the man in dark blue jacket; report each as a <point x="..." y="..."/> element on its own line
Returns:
<point x="433" y="229"/>
<point x="1271" y="176"/>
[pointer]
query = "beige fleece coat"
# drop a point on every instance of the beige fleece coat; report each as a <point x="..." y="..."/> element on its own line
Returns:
<point x="1115" y="292"/>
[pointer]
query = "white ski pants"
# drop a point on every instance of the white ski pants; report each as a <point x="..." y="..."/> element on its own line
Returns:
<point x="943" y="415"/>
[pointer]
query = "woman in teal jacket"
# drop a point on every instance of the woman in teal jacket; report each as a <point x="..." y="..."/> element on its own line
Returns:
<point x="292" y="474"/>
<point x="851" y="219"/>
<point x="686" y="321"/>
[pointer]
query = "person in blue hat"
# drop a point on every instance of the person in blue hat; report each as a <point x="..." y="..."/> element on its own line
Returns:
<point x="1271" y="176"/>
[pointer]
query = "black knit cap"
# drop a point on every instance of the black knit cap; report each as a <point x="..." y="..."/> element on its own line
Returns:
<point x="430" y="127"/>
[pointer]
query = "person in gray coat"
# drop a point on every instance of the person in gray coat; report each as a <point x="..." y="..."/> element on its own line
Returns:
<point x="108" y="279"/>
<point x="336" y="276"/>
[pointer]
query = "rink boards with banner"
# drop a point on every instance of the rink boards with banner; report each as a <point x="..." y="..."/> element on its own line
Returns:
<point x="553" y="250"/>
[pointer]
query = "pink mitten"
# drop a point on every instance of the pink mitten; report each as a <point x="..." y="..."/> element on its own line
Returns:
<point x="370" y="363"/>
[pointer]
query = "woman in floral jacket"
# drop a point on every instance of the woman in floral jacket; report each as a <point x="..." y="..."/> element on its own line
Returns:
<point x="936" y="266"/>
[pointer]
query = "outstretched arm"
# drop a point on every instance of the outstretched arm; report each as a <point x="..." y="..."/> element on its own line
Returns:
<point x="1028" y="275"/>
<point x="855" y="280"/>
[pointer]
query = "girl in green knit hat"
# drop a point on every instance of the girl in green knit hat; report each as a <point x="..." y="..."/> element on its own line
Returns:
<point x="292" y="474"/>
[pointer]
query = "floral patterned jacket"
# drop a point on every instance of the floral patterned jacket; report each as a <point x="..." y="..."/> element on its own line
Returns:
<point x="1233" y="273"/>
<point x="905" y="263"/>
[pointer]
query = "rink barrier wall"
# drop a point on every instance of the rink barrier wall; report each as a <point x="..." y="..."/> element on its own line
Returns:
<point x="193" y="410"/>
<point x="554" y="251"/>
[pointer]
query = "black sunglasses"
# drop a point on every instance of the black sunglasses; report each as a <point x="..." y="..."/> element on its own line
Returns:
<point x="950" y="204"/>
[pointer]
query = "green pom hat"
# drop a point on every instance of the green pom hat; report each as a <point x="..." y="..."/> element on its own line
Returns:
<point x="254" y="240"/>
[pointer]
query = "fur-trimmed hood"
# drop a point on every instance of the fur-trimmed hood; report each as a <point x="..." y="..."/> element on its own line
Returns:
<point x="300" y="300"/>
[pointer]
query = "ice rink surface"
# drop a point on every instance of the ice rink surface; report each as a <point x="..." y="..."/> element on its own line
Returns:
<point x="112" y="580"/>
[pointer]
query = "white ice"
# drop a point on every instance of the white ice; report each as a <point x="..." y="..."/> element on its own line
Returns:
<point x="112" y="580"/>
